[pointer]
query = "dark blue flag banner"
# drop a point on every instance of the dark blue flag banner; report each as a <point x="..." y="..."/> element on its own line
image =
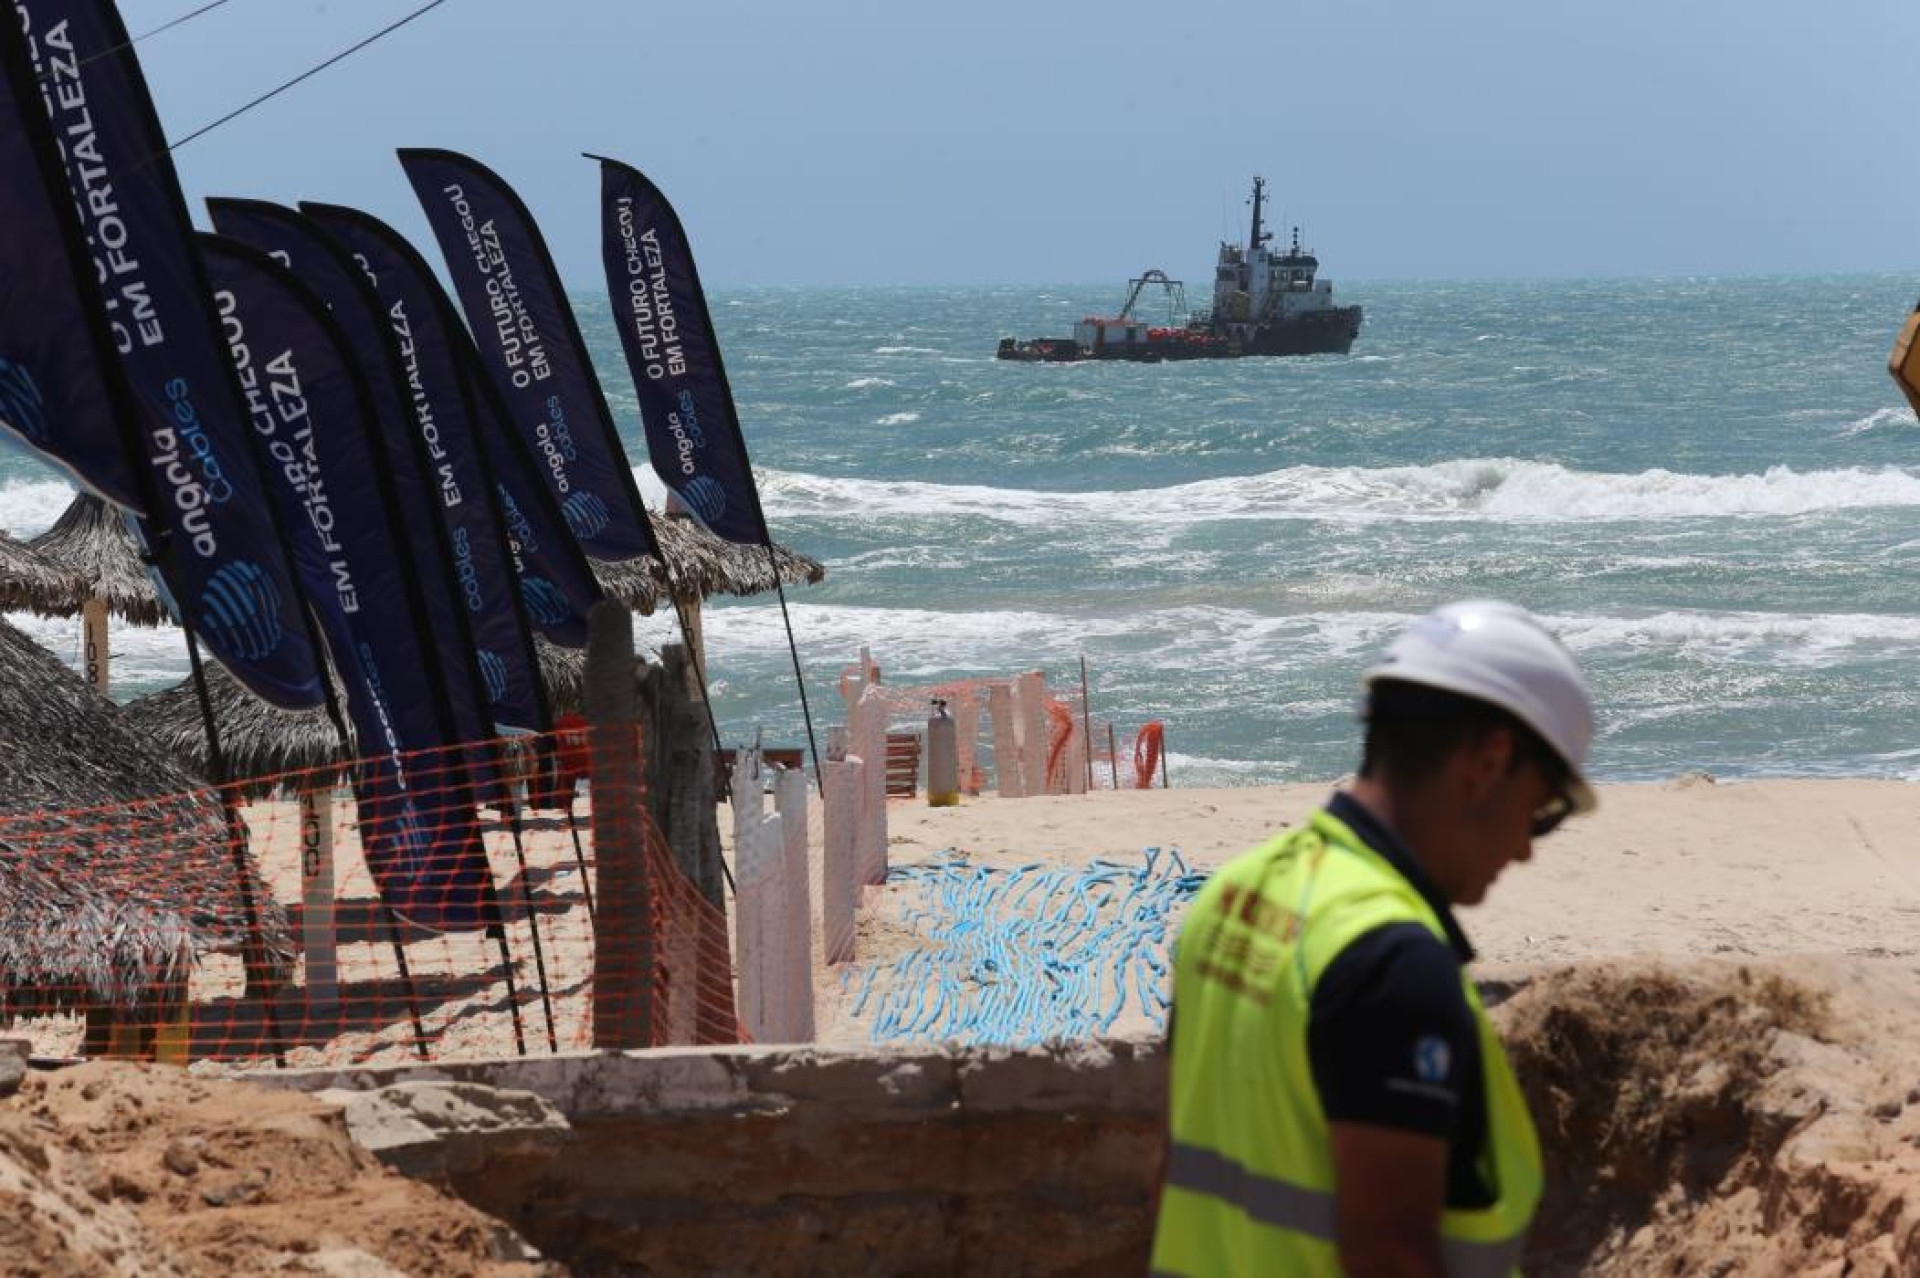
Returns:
<point x="339" y="281"/>
<point x="557" y="586"/>
<point x="312" y="416"/>
<point x="693" y="432"/>
<point x="60" y="390"/>
<point x="201" y="495"/>
<point x="531" y="347"/>
<point x="455" y="469"/>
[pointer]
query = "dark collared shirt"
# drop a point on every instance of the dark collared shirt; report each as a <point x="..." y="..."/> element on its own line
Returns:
<point x="1390" y="1036"/>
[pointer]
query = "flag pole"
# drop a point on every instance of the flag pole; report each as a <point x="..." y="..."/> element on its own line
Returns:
<point x="793" y="650"/>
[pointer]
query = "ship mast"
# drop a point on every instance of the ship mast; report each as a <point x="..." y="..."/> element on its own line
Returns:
<point x="1258" y="236"/>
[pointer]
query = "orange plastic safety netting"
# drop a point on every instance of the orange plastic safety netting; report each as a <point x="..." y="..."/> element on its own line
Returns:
<point x="517" y="917"/>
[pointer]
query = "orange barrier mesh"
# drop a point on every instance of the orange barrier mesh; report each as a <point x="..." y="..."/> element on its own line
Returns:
<point x="194" y="926"/>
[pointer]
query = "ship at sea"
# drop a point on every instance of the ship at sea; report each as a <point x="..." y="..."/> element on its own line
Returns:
<point x="1265" y="302"/>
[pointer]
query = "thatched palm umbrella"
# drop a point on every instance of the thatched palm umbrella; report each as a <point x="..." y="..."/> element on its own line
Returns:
<point x="30" y="582"/>
<point x="115" y="873"/>
<point x="258" y="739"/>
<point x="263" y="741"/>
<point x="91" y="541"/>
<point x="702" y="565"/>
<point x="705" y="565"/>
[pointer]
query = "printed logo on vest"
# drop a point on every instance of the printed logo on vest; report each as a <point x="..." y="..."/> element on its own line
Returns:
<point x="240" y="611"/>
<point x="1432" y="1059"/>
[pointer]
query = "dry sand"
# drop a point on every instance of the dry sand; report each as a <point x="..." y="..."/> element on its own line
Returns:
<point x="1711" y="992"/>
<point x="1680" y="868"/>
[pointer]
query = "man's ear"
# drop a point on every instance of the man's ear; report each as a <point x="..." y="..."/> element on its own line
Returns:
<point x="1485" y="761"/>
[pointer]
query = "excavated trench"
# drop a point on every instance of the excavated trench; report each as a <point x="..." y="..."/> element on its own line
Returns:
<point x="1714" y="1120"/>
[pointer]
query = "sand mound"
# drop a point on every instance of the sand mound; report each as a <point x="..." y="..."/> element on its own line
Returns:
<point x="125" y="1169"/>
<point x="1718" y="1120"/>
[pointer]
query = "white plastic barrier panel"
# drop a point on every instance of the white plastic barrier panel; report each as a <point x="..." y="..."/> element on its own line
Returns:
<point x="840" y="859"/>
<point x="870" y="740"/>
<point x="1006" y="744"/>
<point x="796" y="905"/>
<point x="1036" y="735"/>
<point x="749" y="808"/>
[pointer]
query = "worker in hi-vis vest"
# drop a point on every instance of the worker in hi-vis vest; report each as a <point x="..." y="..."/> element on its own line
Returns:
<point x="1338" y="1102"/>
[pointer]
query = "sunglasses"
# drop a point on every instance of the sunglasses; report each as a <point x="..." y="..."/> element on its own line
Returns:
<point x="1547" y="818"/>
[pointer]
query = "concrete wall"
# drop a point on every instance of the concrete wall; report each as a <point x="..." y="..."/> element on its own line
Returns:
<point x="794" y="1161"/>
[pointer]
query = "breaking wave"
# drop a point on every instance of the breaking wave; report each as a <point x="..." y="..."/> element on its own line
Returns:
<point x="28" y="507"/>
<point x="1880" y="420"/>
<point x="1496" y="489"/>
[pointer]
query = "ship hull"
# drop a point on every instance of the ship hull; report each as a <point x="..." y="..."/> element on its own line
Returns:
<point x="1328" y="332"/>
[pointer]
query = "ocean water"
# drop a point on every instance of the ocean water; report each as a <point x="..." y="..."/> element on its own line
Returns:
<point x="1709" y="487"/>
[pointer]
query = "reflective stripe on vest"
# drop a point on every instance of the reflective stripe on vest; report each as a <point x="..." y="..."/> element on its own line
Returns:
<point x="1250" y="1185"/>
<point x="1273" y="1201"/>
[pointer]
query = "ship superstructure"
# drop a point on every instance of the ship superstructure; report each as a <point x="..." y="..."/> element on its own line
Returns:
<point x="1264" y="303"/>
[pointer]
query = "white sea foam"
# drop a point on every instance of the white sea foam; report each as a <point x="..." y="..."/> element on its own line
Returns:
<point x="1808" y="639"/>
<point x="1500" y="490"/>
<point x="906" y="350"/>
<point x="28" y="507"/>
<point x="1209" y="638"/>
<point x="896" y="419"/>
<point x="1880" y="420"/>
<point x="142" y="658"/>
<point x="867" y="383"/>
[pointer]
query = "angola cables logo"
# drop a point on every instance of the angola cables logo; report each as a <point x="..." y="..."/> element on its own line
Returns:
<point x="494" y="672"/>
<point x="240" y="610"/>
<point x="587" y="515"/>
<point x="20" y="404"/>
<point x="408" y="845"/>
<point x="707" y="498"/>
<point x="545" y="601"/>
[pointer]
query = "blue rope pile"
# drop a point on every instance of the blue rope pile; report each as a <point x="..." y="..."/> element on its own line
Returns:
<point x="1026" y="956"/>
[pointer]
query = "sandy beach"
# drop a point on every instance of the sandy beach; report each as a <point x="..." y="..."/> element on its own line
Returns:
<point x="1674" y="870"/>
<point x="1680" y="868"/>
<point x="1686" y="869"/>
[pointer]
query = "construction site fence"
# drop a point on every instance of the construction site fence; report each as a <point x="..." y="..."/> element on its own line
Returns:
<point x="520" y="917"/>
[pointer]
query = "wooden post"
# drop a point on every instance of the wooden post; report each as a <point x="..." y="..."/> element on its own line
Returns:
<point x="1086" y="718"/>
<point x="839" y="866"/>
<point x="317" y="937"/>
<point x="696" y="960"/>
<point x="680" y="771"/>
<point x="623" y="957"/>
<point x="796" y="954"/>
<point x="1113" y="756"/>
<point x="93" y="645"/>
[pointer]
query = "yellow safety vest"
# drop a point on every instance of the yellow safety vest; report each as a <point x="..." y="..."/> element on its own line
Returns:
<point x="1250" y="1184"/>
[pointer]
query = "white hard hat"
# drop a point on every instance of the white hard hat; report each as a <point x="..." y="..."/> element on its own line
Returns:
<point x="1499" y="653"/>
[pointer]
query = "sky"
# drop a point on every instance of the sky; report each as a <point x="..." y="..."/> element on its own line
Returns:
<point x="857" y="143"/>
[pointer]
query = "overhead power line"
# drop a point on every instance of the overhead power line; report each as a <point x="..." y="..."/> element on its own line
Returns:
<point x="308" y="74"/>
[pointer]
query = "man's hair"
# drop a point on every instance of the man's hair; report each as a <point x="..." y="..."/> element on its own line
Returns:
<point x="1413" y="729"/>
